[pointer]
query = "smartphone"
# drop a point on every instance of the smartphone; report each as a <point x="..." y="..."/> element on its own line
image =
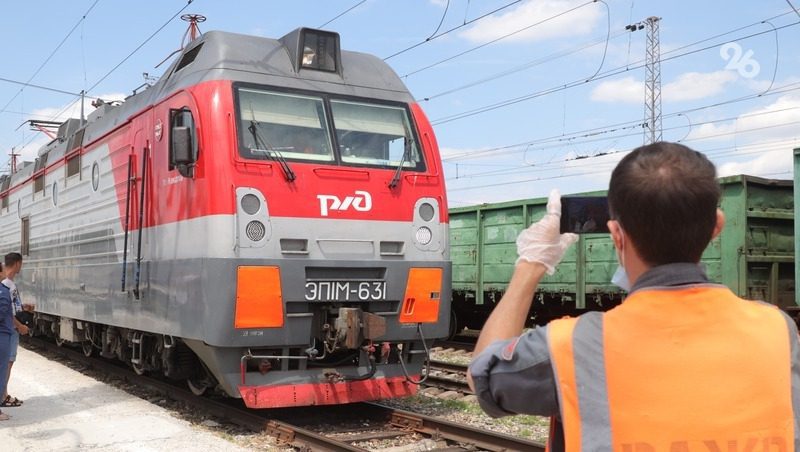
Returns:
<point x="584" y="214"/>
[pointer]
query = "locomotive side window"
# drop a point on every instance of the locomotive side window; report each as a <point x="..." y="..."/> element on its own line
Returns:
<point x="288" y="125"/>
<point x="74" y="165"/>
<point x="181" y="121"/>
<point x="370" y="134"/>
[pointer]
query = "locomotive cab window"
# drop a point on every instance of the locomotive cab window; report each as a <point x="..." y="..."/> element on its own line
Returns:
<point x="183" y="147"/>
<point x="276" y="125"/>
<point x="371" y="134"/>
<point x="320" y="50"/>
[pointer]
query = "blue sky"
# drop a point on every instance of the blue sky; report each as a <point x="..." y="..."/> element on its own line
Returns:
<point x="578" y="103"/>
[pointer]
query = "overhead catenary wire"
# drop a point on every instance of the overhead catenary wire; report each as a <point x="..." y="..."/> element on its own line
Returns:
<point x="188" y="2"/>
<point x="591" y="160"/>
<point x="441" y="21"/>
<point x="42" y="87"/>
<point x="451" y="30"/>
<point x="793" y="8"/>
<point x="345" y="12"/>
<point x="610" y="128"/>
<point x="529" y="64"/>
<point x="605" y="169"/>
<point x="560" y="54"/>
<point x="500" y="38"/>
<point x="510" y="169"/>
<point x="609" y="73"/>
<point x="49" y="57"/>
<point x="711" y="153"/>
<point x="777" y="55"/>
<point x="78" y="95"/>
<point x="574" y="83"/>
<point x="514" y="168"/>
<point x="608" y="38"/>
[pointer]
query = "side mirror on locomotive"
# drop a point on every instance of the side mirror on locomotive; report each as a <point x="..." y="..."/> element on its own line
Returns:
<point x="182" y="150"/>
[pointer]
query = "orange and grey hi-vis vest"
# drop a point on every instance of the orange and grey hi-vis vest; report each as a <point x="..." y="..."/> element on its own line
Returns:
<point x="692" y="368"/>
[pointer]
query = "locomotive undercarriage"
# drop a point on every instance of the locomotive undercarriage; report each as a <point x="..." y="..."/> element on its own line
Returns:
<point x="345" y="347"/>
<point x="342" y="336"/>
<point x="144" y="352"/>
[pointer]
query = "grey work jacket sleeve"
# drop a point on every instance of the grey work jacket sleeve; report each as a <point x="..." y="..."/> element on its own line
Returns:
<point x="515" y="376"/>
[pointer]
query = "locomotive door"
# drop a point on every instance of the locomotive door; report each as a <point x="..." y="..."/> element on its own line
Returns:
<point x="175" y="200"/>
<point x="138" y="217"/>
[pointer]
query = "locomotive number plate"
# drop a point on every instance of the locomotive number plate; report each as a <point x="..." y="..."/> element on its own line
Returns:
<point x="345" y="290"/>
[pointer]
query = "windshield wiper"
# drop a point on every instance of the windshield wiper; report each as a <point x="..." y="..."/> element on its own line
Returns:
<point x="270" y="151"/>
<point x="406" y="154"/>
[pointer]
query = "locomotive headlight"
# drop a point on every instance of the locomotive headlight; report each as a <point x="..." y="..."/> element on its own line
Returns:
<point x="423" y="235"/>
<point x="255" y="230"/>
<point x="427" y="230"/>
<point x="250" y="203"/>
<point x="426" y="211"/>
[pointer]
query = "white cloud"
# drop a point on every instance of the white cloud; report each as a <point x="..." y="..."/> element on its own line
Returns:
<point x="626" y="89"/>
<point x="576" y="23"/>
<point x="769" y="163"/>
<point x="758" y="142"/>
<point x="780" y="119"/>
<point x="687" y="86"/>
<point x="697" y="85"/>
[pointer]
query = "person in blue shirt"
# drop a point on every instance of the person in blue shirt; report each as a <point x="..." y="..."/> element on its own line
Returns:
<point x="6" y="331"/>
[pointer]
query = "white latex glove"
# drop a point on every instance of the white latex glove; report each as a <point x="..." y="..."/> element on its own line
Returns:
<point x="542" y="242"/>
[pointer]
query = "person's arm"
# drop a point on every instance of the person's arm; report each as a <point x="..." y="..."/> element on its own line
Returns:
<point x="540" y="248"/>
<point x="5" y="305"/>
<point x="19" y="326"/>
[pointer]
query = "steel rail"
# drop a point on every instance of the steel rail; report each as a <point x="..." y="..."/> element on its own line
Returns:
<point x="448" y="367"/>
<point x="465" y="435"/>
<point x="285" y="432"/>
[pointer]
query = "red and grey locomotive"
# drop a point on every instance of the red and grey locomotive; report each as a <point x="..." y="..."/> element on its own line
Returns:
<point x="268" y="219"/>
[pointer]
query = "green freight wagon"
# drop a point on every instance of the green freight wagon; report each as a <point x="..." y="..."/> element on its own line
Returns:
<point x="754" y="255"/>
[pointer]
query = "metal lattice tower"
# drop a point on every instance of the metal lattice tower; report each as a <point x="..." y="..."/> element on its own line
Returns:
<point x="652" y="84"/>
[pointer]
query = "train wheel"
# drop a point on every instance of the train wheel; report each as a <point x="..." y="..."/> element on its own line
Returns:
<point x="453" y="325"/>
<point x="138" y="368"/>
<point x="88" y="348"/>
<point x="198" y="387"/>
<point x="59" y="341"/>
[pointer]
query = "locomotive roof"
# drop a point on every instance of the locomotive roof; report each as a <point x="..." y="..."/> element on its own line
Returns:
<point x="218" y="55"/>
<point x="232" y="56"/>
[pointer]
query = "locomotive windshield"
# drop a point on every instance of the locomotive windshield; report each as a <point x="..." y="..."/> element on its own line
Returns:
<point x="297" y="126"/>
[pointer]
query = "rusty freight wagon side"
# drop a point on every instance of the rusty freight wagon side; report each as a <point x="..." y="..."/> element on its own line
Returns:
<point x="754" y="255"/>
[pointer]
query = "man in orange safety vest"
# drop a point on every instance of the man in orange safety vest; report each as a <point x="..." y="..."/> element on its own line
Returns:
<point x="682" y="364"/>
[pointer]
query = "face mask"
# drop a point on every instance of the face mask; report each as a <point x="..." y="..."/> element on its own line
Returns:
<point x="620" y="278"/>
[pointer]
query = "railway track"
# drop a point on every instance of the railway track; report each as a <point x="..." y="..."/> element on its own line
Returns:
<point x="455" y="345"/>
<point x="448" y="376"/>
<point x="296" y="427"/>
